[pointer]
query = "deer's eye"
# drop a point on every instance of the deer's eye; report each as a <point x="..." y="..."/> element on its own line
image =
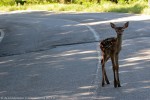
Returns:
<point x="119" y="31"/>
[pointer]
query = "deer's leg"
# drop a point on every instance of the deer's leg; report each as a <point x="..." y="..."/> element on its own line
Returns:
<point x="114" y="69"/>
<point x="117" y="71"/>
<point x="106" y="78"/>
<point x="104" y="75"/>
<point x="103" y="69"/>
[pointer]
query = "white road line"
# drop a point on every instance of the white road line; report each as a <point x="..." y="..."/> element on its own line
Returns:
<point x="96" y="80"/>
<point x="1" y="35"/>
<point x="96" y="36"/>
<point x="94" y="32"/>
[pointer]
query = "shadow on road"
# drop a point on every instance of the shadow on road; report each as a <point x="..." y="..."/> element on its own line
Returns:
<point x="68" y="72"/>
<point x="134" y="72"/>
<point x="59" y="73"/>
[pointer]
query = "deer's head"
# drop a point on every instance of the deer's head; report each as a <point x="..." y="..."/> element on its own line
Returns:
<point x="119" y="30"/>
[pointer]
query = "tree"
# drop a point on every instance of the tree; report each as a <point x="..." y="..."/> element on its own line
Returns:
<point x="65" y="1"/>
<point x="116" y="1"/>
<point x="98" y="1"/>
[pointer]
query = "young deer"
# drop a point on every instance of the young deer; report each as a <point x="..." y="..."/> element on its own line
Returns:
<point x="110" y="48"/>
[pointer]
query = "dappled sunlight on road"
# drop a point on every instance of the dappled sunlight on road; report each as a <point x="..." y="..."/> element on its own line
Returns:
<point x="62" y="61"/>
<point x="3" y="62"/>
<point x="141" y="55"/>
<point x="134" y="72"/>
<point x="122" y="19"/>
<point x="70" y="53"/>
<point x="128" y="64"/>
<point x="136" y="89"/>
<point x="67" y="72"/>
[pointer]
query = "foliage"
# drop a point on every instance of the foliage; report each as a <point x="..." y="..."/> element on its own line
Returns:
<point x="105" y="6"/>
<point x="12" y="2"/>
<point x="6" y="2"/>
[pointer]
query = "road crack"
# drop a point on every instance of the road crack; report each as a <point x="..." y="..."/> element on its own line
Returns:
<point x="44" y="49"/>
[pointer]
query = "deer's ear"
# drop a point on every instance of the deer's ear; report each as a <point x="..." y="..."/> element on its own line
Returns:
<point x="113" y="25"/>
<point x="126" y="25"/>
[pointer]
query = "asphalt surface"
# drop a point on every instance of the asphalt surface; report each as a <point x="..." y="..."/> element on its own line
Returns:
<point x="55" y="56"/>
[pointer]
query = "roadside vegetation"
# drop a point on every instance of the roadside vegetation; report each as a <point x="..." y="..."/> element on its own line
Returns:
<point x="123" y="6"/>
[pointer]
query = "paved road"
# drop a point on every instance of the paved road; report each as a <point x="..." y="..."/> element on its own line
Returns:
<point x="55" y="56"/>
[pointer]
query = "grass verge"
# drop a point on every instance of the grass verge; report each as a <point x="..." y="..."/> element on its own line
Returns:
<point x="136" y="7"/>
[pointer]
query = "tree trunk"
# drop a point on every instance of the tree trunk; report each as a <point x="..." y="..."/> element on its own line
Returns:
<point x="98" y="1"/>
<point x="116" y="1"/>
<point x="62" y="1"/>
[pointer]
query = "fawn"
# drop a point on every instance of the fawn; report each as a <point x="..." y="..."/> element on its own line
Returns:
<point x="110" y="48"/>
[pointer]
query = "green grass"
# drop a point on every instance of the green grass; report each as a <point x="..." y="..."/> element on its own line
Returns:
<point x="140" y="7"/>
<point x="137" y="8"/>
